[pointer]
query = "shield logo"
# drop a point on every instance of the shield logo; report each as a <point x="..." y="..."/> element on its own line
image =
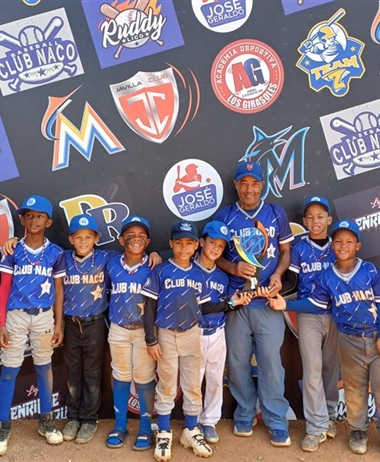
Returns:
<point x="148" y="102"/>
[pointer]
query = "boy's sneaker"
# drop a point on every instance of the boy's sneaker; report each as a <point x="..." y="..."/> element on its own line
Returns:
<point x="331" y="432"/>
<point x="48" y="429"/>
<point x="280" y="438"/>
<point x="244" y="428"/>
<point x="5" y="433"/>
<point x="195" y="440"/>
<point x="210" y="434"/>
<point x="71" y="430"/>
<point x="311" y="442"/>
<point x="163" y="449"/>
<point x="86" y="433"/>
<point x="358" y="441"/>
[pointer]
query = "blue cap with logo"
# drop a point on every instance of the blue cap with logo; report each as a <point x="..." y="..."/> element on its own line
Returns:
<point x="217" y="230"/>
<point x="249" y="169"/>
<point x="348" y="225"/>
<point x="83" y="221"/>
<point x="316" y="200"/>
<point x="134" y="220"/>
<point x="36" y="204"/>
<point x="184" y="229"/>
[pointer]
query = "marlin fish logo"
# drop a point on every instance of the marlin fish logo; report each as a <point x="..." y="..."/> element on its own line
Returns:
<point x="279" y="157"/>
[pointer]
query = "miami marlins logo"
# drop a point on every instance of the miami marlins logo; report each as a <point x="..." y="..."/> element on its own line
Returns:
<point x="330" y="57"/>
<point x="148" y="102"/>
<point x="278" y="163"/>
<point x="66" y="134"/>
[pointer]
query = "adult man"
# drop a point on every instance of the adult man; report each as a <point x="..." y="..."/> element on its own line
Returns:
<point x="256" y="321"/>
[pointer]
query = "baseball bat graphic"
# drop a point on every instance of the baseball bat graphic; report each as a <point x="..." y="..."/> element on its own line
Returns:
<point x="52" y="29"/>
<point x="177" y="187"/>
<point x="335" y="18"/>
<point x="9" y="41"/>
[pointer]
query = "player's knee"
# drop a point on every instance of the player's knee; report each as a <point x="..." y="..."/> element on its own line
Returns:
<point x="43" y="370"/>
<point x="9" y="373"/>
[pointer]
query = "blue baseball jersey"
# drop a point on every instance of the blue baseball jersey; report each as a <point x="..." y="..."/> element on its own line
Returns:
<point x="127" y="301"/>
<point x="216" y="283"/>
<point x="179" y="293"/>
<point x="308" y="259"/>
<point x="33" y="273"/>
<point x="86" y="284"/>
<point x="353" y="297"/>
<point x="276" y="223"/>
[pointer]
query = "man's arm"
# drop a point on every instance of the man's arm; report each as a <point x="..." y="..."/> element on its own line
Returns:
<point x="275" y="284"/>
<point x="240" y="269"/>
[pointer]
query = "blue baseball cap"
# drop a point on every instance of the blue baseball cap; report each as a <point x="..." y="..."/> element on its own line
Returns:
<point x="316" y="200"/>
<point x="134" y="220"/>
<point x="36" y="204"/>
<point x="348" y="225"/>
<point x="249" y="169"/>
<point x="83" y="221"/>
<point x="184" y="229"/>
<point x="217" y="230"/>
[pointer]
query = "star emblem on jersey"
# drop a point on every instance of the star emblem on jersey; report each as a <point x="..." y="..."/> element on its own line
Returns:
<point x="271" y="250"/>
<point x="45" y="287"/>
<point x="97" y="293"/>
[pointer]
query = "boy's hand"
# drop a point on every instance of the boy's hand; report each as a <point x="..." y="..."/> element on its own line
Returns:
<point x="275" y="285"/>
<point x="262" y="291"/>
<point x="276" y="302"/>
<point x="57" y="338"/>
<point x="4" y="338"/>
<point x="242" y="298"/>
<point x="154" y="351"/>
<point x="378" y="345"/>
<point x="154" y="259"/>
<point x="245" y="270"/>
<point x="8" y="246"/>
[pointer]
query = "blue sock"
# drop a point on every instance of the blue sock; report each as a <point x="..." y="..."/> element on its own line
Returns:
<point x="7" y="388"/>
<point x="45" y="386"/>
<point x="163" y="422"/>
<point x="191" y="421"/>
<point x="121" y="392"/>
<point x="146" y="398"/>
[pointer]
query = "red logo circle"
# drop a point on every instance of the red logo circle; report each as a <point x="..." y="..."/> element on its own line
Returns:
<point x="247" y="76"/>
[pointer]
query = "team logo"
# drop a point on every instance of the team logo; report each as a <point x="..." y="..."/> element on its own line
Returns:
<point x="352" y="136"/>
<point x="330" y="57"/>
<point x="8" y="167"/>
<point x="293" y="6"/>
<point x="58" y="128"/>
<point x="247" y="76"/>
<point x="375" y="28"/>
<point x="281" y="156"/>
<point x="6" y="220"/>
<point x="193" y="189"/>
<point x="222" y="15"/>
<point x="126" y="30"/>
<point x="83" y="221"/>
<point x="148" y="102"/>
<point x="36" y="51"/>
<point x="108" y="214"/>
<point x="31" y="2"/>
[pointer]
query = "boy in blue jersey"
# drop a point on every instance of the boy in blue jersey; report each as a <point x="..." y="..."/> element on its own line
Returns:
<point x="317" y="333"/>
<point x="130" y="360"/>
<point x="215" y="237"/>
<point x="351" y="287"/>
<point x="31" y="285"/>
<point x="85" y="329"/>
<point x="176" y="294"/>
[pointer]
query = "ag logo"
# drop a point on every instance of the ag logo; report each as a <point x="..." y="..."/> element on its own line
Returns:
<point x="330" y="57"/>
<point x="148" y="102"/>
<point x="193" y="189"/>
<point x="247" y="76"/>
<point x="222" y="15"/>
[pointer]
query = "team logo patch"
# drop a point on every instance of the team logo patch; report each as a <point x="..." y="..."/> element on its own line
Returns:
<point x="36" y="51"/>
<point x="293" y="6"/>
<point x="281" y="156"/>
<point x="31" y="2"/>
<point x="193" y="189"/>
<point x="353" y="139"/>
<point x="83" y="221"/>
<point x="8" y="167"/>
<point x="223" y="230"/>
<point x="330" y="57"/>
<point x="222" y="15"/>
<point x="364" y="208"/>
<point x="247" y="76"/>
<point x="131" y="29"/>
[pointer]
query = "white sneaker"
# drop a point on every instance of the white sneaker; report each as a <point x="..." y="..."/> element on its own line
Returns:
<point x="47" y="428"/>
<point x="194" y="439"/>
<point x="5" y="433"/>
<point x="163" y="449"/>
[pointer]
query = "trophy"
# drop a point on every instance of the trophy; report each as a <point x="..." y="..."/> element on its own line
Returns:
<point x="251" y="246"/>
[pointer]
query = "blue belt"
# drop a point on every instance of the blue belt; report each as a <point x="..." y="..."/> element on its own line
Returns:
<point x="372" y="334"/>
<point x="210" y="330"/>
<point x="36" y="311"/>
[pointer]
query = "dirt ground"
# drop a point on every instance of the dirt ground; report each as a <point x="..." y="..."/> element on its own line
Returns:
<point x="26" y="445"/>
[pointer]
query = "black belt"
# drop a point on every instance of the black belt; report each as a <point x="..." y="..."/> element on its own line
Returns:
<point x="210" y="330"/>
<point x="372" y="334"/>
<point x="84" y="320"/>
<point x="132" y="326"/>
<point x="36" y="311"/>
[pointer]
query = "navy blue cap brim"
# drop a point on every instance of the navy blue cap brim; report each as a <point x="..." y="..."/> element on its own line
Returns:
<point x="135" y="223"/>
<point x="184" y="234"/>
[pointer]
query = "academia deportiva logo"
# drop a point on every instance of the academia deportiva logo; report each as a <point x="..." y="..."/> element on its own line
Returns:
<point x="247" y="76"/>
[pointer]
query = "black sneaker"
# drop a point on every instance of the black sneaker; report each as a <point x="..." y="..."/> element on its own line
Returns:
<point x="48" y="429"/>
<point x="358" y="441"/>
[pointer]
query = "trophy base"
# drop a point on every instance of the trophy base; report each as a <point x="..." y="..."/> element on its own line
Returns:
<point x="250" y="286"/>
